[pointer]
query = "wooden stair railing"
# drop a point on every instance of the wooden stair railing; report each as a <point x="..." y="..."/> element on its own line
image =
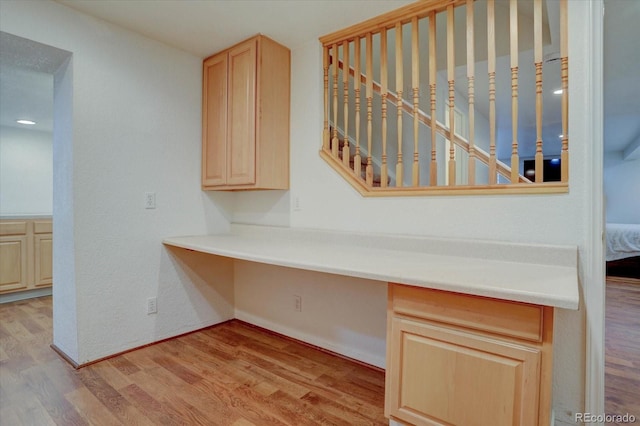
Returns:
<point x="336" y="57"/>
<point x="439" y="128"/>
<point x="378" y="180"/>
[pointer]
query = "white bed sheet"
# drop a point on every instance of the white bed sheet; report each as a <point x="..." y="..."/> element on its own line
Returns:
<point x="623" y="240"/>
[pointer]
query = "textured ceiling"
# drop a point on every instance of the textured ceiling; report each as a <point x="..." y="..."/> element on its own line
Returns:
<point x="19" y="52"/>
<point x="204" y="27"/>
<point x="26" y="81"/>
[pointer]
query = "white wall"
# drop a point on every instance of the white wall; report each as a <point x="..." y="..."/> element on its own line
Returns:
<point x="134" y="126"/>
<point x="118" y="257"/>
<point x="65" y="298"/>
<point x="343" y="314"/>
<point x="328" y="202"/>
<point x="621" y="188"/>
<point x="26" y="172"/>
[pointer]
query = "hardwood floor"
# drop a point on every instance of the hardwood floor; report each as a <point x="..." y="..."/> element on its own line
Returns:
<point x="230" y="374"/>
<point x="622" y="348"/>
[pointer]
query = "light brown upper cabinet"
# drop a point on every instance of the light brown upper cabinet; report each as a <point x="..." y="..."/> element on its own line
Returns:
<point x="245" y="117"/>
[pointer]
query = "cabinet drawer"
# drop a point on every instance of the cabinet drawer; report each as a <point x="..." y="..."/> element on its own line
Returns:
<point x="42" y="227"/>
<point x="511" y="319"/>
<point x="13" y="228"/>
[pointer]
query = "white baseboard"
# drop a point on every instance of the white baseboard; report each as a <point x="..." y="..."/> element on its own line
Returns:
<point x="343" y="350"/>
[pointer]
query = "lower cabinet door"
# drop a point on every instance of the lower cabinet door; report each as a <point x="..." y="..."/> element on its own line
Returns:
<point x="43" y="259"/>
<point x="13" y="263"/>
<point x="447" y="376"/>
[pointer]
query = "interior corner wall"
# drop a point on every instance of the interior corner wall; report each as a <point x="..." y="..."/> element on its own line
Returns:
<point x="621" y="188"/>
<point x="135" y="127"/>
<point x="65" y="306"/>
<point x="26" y="172"/>
<point x="345" y="315"/>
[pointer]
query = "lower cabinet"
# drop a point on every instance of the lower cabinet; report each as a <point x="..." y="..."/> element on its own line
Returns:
<point x="43" y="253"/>
<point x="454" y="359"/>
<point x="26" y="254"/>
<point x="13" y="262"/>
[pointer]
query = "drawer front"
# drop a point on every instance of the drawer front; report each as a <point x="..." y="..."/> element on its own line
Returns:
<point x="513" y="319"/>
<point x="13" y="228"/>
<point x="42" y="227"/>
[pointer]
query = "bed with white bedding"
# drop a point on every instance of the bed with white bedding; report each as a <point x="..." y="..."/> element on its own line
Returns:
<point x="623" y="240"/>
<point x="623" y="249"/>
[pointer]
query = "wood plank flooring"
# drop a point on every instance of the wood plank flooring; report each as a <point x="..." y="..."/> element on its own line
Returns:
<point x="231" y="374"/>
<point x="622" y="348"/>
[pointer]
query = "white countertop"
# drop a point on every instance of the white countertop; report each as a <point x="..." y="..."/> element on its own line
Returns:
<point x="539" y="274"/>
<point x="26" y="216"/>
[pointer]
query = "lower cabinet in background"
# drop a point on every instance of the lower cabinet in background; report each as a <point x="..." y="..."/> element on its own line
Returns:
<point x="26" y="254"/>
<point x="455" y="359"/>
<point x="43" y="253"/>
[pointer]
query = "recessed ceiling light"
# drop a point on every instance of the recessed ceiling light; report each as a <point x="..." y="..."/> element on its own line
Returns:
<point x="29" y="122"/>
<point x="557" y="92"/>
<point x="561" y="136"/>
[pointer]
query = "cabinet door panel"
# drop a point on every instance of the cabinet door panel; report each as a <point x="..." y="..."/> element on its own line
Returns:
<point x="443" y="376"/>
<point x="13" y="228"/>
<point x="13" y="263"/>
<point x="43" y="259"/>
<point x="214" y="121"/>
<point x="241" y="163"/>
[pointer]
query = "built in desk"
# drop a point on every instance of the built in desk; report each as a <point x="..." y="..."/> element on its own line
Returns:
<point x="469" y="322"/>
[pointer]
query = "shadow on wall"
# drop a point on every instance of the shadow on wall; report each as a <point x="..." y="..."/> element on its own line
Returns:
<point x="195" y="284"/>
<point x="271" y="208"/>
<point x="342" y="314"/>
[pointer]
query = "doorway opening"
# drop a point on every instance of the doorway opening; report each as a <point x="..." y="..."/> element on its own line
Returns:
<point x="621" y="173"/>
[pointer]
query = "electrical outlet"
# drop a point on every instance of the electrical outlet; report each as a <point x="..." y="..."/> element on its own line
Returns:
<point x="152" y="305"/>
<point x="149" y="200"/>
<point x="297" y="303"/>
<point x="296" y="204"/>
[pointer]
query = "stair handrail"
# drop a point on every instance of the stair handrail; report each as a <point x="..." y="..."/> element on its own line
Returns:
<point x="502" y="168"/>
<point x="336" y="48"/>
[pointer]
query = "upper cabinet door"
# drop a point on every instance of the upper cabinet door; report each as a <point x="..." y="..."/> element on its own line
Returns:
<point x="245" y="117"/>
<point x="241" y="119"/>
<point x="214" y="121"/>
